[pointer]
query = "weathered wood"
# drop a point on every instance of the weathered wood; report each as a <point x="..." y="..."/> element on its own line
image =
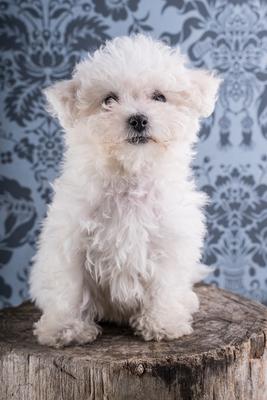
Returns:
<point x="225" y="358"/>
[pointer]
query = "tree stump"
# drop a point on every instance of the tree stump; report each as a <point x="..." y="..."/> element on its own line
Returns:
<point x="225" y="358"/>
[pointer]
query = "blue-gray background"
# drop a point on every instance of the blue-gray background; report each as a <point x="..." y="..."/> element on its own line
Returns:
<point x="41" y="40"/>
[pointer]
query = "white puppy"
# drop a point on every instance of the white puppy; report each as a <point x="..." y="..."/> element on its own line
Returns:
<point x="123" y="237"/>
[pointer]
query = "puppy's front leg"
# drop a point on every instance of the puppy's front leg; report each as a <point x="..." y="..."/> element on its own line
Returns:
<point x="57" y="284"/>
<point x="166" y="312"/>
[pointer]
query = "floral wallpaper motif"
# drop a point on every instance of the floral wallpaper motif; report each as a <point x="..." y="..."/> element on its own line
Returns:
<point x="40" y="42"/>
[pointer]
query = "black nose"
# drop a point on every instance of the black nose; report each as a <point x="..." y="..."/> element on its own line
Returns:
<point x="138" y="122"/>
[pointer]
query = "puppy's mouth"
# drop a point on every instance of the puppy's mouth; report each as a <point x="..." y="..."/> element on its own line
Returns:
<point x="139" y="139"/>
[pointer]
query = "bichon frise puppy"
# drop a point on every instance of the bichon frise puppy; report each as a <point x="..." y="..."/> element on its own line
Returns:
<point x="123" y="236"/>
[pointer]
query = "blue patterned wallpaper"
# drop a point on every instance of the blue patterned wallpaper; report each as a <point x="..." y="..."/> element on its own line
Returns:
<point x="41" y="40"/>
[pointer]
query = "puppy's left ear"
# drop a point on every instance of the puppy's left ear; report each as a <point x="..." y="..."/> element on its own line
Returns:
<point x="62" y="101"/>
<point x="203" y="90"/>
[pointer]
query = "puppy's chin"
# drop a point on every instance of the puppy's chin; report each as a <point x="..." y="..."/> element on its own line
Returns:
<point x="138" y="156"/>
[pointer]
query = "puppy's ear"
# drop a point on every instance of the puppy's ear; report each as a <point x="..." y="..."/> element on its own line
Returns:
<point x="62" y="101"/>
<point x="202" y="93"/>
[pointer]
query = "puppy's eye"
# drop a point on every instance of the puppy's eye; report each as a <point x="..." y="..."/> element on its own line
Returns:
<point x="157" y="96"/>
<point x="112" y="97"/>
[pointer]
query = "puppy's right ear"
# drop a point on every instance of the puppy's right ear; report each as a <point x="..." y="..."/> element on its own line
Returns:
<point x="62" y="101"/>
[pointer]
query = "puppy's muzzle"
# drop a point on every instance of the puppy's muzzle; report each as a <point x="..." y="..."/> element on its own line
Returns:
<point x="138" y="124"/>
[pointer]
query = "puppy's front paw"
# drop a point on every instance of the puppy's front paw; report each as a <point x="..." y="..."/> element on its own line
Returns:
<point x="77" y="332"/>
<point x="150" y="329"/>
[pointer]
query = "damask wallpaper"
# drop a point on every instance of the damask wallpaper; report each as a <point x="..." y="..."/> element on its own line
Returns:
<point x="41" y="40"/>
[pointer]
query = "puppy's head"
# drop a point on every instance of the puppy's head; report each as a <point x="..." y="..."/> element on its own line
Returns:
<point x="132" y="101"/>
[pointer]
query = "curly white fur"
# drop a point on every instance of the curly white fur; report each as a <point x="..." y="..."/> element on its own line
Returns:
<point x="123" y="236"/>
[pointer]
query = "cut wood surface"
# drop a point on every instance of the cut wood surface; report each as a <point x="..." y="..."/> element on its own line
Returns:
<point x="225" y="358"/>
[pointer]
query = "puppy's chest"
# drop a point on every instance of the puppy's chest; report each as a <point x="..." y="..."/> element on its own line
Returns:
<point x="124" y="225"/>
<point x="128" y="215"/>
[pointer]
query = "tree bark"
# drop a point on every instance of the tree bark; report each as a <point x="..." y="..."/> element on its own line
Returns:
<point x="224" y="359"/>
